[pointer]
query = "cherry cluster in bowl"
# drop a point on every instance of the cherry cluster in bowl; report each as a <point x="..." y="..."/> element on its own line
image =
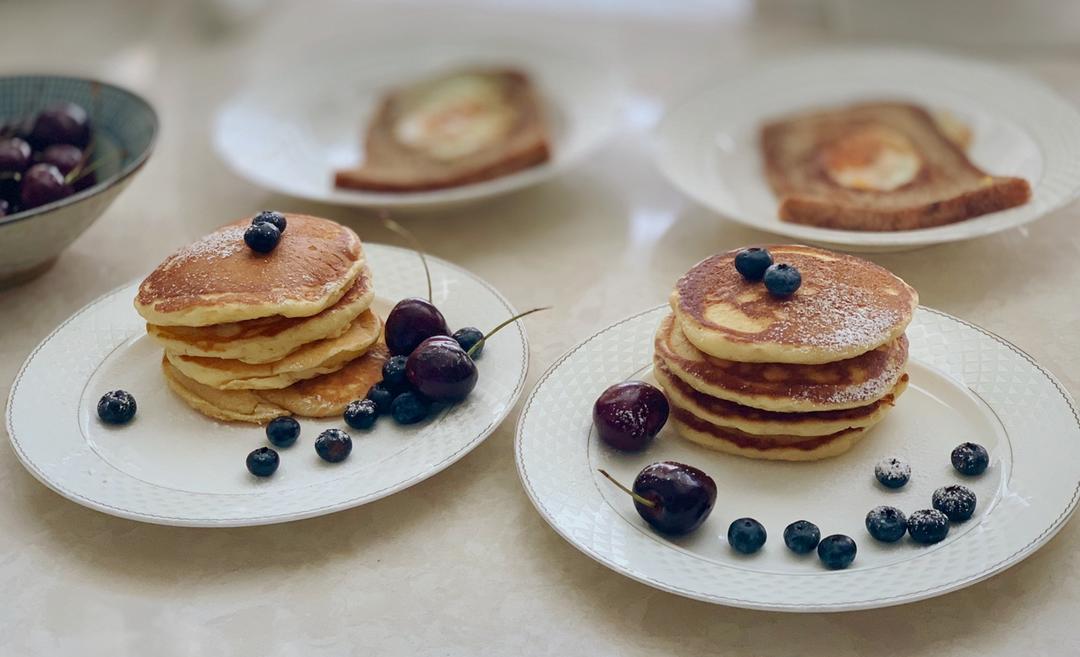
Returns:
<point x="45" y="157"/>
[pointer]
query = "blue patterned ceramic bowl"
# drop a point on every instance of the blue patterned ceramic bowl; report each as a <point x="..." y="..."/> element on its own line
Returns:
<point x="124" y="130"/>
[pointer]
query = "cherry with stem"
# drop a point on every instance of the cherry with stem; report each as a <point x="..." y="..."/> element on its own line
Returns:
<point x="403" y="232"/>
<point x="637" y="498"/>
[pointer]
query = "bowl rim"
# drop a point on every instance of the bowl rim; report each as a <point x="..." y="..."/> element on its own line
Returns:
<point x="113" y="180"/>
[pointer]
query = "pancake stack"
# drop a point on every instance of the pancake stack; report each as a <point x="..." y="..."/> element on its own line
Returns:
<point x="796" y="378"/>
<point x="252" y="336"/>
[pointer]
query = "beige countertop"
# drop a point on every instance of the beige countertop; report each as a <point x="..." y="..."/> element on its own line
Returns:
<point x="461" y="564"/>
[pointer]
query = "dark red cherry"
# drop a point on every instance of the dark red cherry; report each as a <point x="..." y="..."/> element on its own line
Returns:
<point x="63" y="123"/>
<point x="674" y="498"/>
<point x="441" y="370"/>
<point x="41" y="184"/>
<point x="628" y="415"/>
<point x="14" y="155"/>
<point x="411" y="322"/>
<point x="63" y="156"/>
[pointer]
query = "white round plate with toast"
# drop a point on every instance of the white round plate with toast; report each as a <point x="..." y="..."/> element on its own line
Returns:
<point x="708" y="146"/>
<point x="293" y="142"/>
<point x="966" y="385"/>
<point x="173" y="466"/>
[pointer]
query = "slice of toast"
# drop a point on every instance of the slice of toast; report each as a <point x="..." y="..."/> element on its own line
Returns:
<point x="451" y="130"/>
<point x="878" y="167"/>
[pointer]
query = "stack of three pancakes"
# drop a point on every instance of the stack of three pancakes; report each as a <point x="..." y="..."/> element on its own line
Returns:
<point x="251" y="336"/>
<point x="798" y="378"/>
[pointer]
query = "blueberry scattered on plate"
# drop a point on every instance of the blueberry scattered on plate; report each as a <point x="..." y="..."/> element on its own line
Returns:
<point x="382" y="396"/>
<point x="837" y="551"/>
<point x="753" y="262"/>
<point x="361" y="414"/>
<point x="282" y="431"/>
<point x="970" y="459"/>
<point x="116" y="407"/>
<point x="409" y="408"/>
<point x="746" y="535"/>
<point x="333" y="445"/>
<point x="802" y="536"/>
<point x="262" y="237"/>
<point x="468" y="337"/>
<point x="782" y="280"/>
<point x="393" y="374"/>
<point x="263" y="462"/>
<point x="892" y="472"/>
<point x="956" y="502"/>
<point x="928" y="526"/>
<point x="886" y="524"/>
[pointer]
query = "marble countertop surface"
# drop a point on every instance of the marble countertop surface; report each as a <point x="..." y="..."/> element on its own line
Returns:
<point x="461" y="564"/>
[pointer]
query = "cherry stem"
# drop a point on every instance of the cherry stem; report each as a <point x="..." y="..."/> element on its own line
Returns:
<point x="394" y="226"/>
<point x="500" y="326"/>
<point x="637" y="498"/>
<point x="80" y="172"/>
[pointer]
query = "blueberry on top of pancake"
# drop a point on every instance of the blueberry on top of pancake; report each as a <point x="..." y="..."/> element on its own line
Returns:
<point x="845" y="307"/>
<point x="217" y="279"/>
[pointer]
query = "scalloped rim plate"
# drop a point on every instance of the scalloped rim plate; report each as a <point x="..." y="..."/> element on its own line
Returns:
<point x="174" y="466"/>
<point x="295" y="144"/>
<point x="966" y="384"/>
<point x="708" y="147"/>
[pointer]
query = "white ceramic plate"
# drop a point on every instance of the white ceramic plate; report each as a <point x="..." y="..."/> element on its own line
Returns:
<point x="291" y="128"/>
<point x="708" y="145"/>
<point x="966" y="384"/>
<point x="174" y="466"/>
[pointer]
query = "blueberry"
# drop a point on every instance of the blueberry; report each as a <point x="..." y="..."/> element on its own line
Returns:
<point x="469" y="336"/>
<point x="333" y="445"/>
<point x="382" y="396"/>
<point x="956" y="502"/>
<point x="892" y="472"/>
<point x="263" y="462"/>
<point x="393" y="374"/>
<point x="782" y="280"/>
<point x="970" y="459"/>
<point x="361" y="414"/>
<point x="837" y="551"/>
<point x="116" y="407"/>
<point x="928" y="526"/>
<point x="409" y="408"/>
<point x="886" y="523"/>
<point x="753" y="262"/>
<point x="282" y="431"/>
<point x="263" y="237"/>
<point x="746" y="535"/>
<point x="271" y="217"/>
<point x="802" y="536"/>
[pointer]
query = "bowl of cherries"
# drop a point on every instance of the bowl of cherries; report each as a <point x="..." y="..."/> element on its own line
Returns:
<point x="68" y="147"/>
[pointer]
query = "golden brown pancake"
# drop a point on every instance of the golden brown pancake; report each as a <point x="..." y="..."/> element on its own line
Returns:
<point x="771" y="448"/>
<point x="267" y="339"/>
<point x="755" y="421"/>
<point x="218" y="279"/>
<point x="783" y="387"/>
<point x="329" y="394"/>
<point x="845" y="307"/>
<point x="323" y="396"/>
<point x="227" y="405"/>
<point x="311" y="360"/>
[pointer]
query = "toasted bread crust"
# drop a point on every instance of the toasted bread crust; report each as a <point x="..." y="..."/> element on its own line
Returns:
<point x="390" y="166"/>
<point x="948" y="187"/>
<point x="1003" y="193"/>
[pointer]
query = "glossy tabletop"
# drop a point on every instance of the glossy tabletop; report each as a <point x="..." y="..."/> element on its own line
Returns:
<point x="461" y="564"/>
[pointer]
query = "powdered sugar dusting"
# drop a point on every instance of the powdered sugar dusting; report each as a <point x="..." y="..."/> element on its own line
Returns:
<point x="840" y="316"/>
